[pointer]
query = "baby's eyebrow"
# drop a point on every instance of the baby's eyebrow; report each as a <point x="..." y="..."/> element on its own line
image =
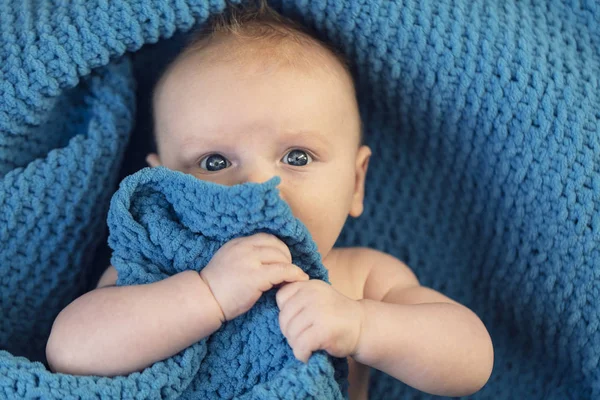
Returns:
<point x="311" y="135"/>
<point x="191" y="147"/>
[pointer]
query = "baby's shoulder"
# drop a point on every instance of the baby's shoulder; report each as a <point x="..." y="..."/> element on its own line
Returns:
<point x="362" y="258"/>
<point x="369" y="272"/>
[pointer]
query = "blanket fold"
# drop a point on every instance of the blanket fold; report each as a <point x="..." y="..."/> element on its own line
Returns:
<point x="163" y="222"/>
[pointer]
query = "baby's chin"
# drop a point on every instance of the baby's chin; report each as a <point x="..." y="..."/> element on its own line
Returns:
<point x="325" y="253"/>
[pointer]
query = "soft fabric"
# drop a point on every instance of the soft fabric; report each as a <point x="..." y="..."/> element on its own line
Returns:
<point x="484" y="121"/>
<point x="163" y="222"/>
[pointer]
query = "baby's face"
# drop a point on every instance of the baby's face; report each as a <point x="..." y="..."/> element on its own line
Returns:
<point x="230" y="123"/>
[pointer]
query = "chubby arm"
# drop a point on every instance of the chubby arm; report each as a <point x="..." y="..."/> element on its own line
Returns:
<point x="118" y="330"/>
<point x="418" y="335"/>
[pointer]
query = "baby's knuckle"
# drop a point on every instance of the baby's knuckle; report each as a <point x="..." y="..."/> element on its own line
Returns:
<point x="235" y="242"/>
<point x="232" y="251"/>
<point x="263" y="236"/>
<point x="246" y="251"/>
<point x="306" y="288"/>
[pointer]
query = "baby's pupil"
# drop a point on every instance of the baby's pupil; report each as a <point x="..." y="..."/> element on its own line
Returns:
<point x="215" y="162"/>
<point x="297" y="157"/>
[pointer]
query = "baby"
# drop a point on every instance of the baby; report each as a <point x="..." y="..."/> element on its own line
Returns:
<point x="257" y="97"/>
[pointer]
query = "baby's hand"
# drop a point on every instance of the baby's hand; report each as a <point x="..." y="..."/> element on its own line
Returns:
<point x="315" y="316"/>
<point x="245" y="267"/>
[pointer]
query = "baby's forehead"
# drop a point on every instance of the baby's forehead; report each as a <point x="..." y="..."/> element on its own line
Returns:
<point x="229" y="58"/>
<point x="254" y="57"/>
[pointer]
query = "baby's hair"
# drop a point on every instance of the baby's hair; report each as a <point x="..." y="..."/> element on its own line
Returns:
<point x="257" y="21"/>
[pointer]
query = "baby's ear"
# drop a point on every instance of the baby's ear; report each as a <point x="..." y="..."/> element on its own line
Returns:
<point x="362" y="165"/>
<point x="153" y="160"/>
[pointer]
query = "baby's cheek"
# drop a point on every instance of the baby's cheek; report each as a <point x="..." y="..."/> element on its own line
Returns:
<point x="325" y="223"/>
<point x="321" y="204"/>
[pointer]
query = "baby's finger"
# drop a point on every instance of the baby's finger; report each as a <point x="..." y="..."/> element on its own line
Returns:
<point x="302" y="356"/>
<point x="271" y="255"/>
<point x="305" y="344"/>
<point x="282" y="272"/>
<point x="267" y="240"/>
<point x="286" y="293"/>
<point x="298" y="323"/>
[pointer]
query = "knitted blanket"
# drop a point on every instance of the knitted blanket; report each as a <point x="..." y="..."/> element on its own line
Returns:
<point x="163" y="222"/>
<point x="483" y="119"/>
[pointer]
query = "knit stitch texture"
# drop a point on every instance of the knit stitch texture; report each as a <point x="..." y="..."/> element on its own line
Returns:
<point x="164" y="222"/>
<point x="484" y="121"/>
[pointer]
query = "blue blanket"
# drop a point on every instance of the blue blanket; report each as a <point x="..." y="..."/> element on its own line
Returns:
<point x="483" y="118"/>
<point x="164" y="222"/>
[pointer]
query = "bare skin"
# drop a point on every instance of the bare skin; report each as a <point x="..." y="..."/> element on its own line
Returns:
<point x="245" y="119"/>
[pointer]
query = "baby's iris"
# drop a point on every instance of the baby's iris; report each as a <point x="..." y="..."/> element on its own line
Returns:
<point x="297" y="158"/>
<point x="214" y="162"/>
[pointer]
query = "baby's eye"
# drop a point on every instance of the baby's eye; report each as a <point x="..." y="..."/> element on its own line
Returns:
<point x="214" y="162"/>
<point x="297" y="157"/>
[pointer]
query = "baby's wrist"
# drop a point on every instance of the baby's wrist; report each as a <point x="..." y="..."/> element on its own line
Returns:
<point x="218" y="310"/>
<point x="359" y="354"/>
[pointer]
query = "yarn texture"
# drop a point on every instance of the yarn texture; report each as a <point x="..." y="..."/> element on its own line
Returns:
<point x="163" y="222"/>
<point x="484" y="121"/>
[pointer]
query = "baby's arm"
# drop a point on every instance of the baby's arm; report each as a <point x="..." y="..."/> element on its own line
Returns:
<point x="116" y="330"/>
<point x="418" y="335"/>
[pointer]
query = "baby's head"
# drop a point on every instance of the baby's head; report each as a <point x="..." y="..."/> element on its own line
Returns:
<point x="258" y="97"/>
